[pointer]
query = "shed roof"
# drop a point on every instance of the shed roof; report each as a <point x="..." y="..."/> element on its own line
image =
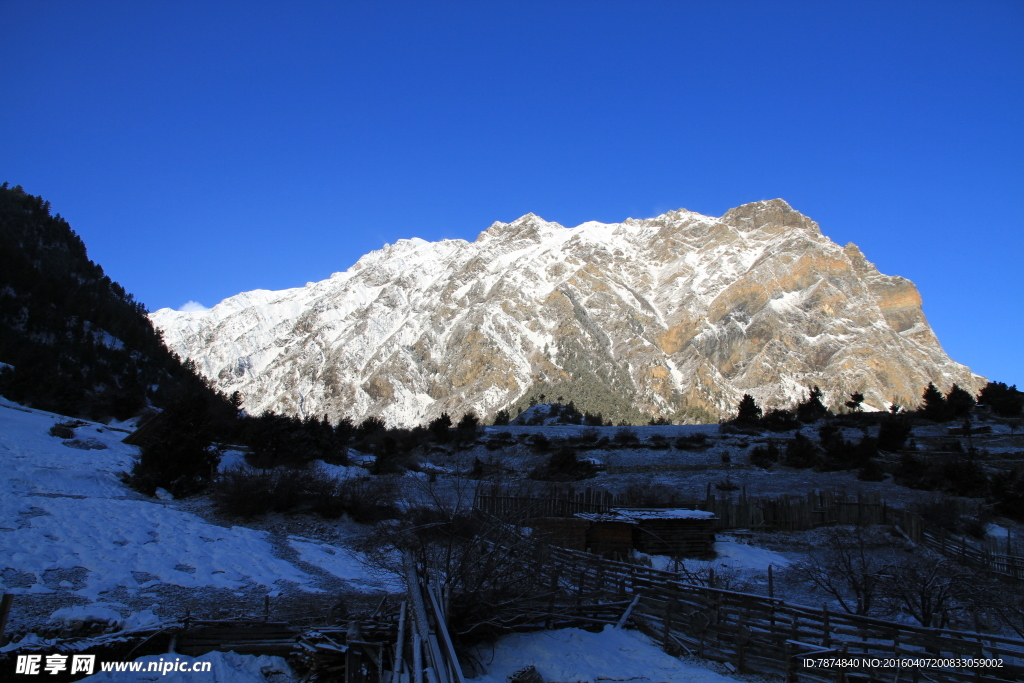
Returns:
<point x="635" y="515"/>
<point x="663" y="513"/>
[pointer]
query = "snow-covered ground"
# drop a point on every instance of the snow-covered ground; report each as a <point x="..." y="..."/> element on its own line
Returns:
<point x="72" y="535"/>
<point x="732" y="554"/>
<point x="76" y="545"/>
<point x="572" y="654"/>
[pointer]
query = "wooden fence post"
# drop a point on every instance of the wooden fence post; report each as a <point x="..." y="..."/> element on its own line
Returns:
<point x="5" y="611"/>
<point x="825" y="636"/>
<point x="551" y="603"/>
<point x="667" y="630"/>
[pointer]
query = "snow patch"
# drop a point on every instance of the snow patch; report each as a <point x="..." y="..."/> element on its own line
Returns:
<point x="572" y="654"/>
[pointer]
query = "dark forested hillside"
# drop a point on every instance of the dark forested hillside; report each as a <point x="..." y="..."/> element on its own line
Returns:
<point x="79" y="343"/>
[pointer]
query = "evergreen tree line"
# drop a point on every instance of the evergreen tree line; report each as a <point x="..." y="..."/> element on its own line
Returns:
<point x="77" y="343"/>
<point x="960" y="473"/>
<point x="956" y="404"/>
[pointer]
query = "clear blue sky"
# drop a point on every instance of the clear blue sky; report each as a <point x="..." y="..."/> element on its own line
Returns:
<point x="206" y="148"/>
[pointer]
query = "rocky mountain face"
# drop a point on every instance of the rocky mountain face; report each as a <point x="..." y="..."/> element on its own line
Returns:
<point x="675" y="316"/>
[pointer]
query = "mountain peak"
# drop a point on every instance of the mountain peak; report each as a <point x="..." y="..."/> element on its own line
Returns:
<point x="774" y="214"/>
<point x="529" y="226"/>
<point x="676" y="316"/>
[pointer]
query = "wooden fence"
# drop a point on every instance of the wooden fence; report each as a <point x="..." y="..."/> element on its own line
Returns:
<point x="780" y="513"/>
<point x="765" y="635"/>
<point x="958" y="548"/>
<point x="507" y="503"/>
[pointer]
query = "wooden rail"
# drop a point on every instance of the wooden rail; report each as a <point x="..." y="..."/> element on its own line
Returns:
<point x="765" y="635"/>
<point x="956" y="547"/>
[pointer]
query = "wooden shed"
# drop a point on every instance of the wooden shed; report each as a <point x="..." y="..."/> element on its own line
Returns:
<point x="609" y="535"/>
<point x="671" y="531"/>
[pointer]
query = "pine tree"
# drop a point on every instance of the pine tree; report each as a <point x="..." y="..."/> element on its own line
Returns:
<point x="959" y="402"/>
<point x="439" y="428"/>
<point x="469" y="422"/>
<point x="934" y="406"/>
<point x="1003" y="400"/>
<point x="179" y="457"/>
<point x="812" y="409"/>
<point x="749" y="411"/>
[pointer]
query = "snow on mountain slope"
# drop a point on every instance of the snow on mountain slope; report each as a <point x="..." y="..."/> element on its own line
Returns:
<point x="677" y="315"/>
<point x="72" y="533"/>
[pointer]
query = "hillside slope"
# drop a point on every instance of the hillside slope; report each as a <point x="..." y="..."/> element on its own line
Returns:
<point x="76" y="341"/>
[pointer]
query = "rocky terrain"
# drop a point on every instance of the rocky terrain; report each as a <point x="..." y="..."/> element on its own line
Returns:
<point x="675" y="316"/>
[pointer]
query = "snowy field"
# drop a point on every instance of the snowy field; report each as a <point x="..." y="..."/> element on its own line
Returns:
<point x="572" y="654"/>
<point x="76" y="545"/>
<point x="73" y="536"/>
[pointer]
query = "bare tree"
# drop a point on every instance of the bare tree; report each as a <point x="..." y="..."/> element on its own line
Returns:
<point x="1009" y="608"/>
<point x="929" y="588"/>
<point x="491" y="573"/>
<point x="847" y="568"/>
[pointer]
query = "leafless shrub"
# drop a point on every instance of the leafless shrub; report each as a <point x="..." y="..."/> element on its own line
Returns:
<point x="489" y="570"/>
<point x="658" y="442"/>
<point x="692" y="442"/>
<point x="954" y="515"/>
<point x="245" y="491"/>
<point x="625" y="435"/>
<point x="726" y="428"/>
<point x="1008" y="607"/>
<point x="64" y="430"/>
<point x="847" y="568"/>
<point x="565" y="465"/>
<point x="929" y="588"/>
<point x="727" y="484"/>
<point x="715" y="575"/>
<point x="364" y="499"/>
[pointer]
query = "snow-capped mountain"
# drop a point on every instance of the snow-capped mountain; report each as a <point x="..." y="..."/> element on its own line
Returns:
<point x="676" y="316"/>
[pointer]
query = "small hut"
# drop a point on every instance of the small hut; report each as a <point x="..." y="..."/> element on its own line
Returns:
<point x="671" y="531"/>
<point x="609" y="535"/>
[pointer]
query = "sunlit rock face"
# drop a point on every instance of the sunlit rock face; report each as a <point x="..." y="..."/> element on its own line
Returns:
<point x="678" y="316"/>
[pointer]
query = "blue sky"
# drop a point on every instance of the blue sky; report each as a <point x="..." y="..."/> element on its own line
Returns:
<point x="204" y="149"/>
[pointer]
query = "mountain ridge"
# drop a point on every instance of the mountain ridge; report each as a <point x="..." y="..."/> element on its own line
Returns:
<point x="676" y="315"/>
